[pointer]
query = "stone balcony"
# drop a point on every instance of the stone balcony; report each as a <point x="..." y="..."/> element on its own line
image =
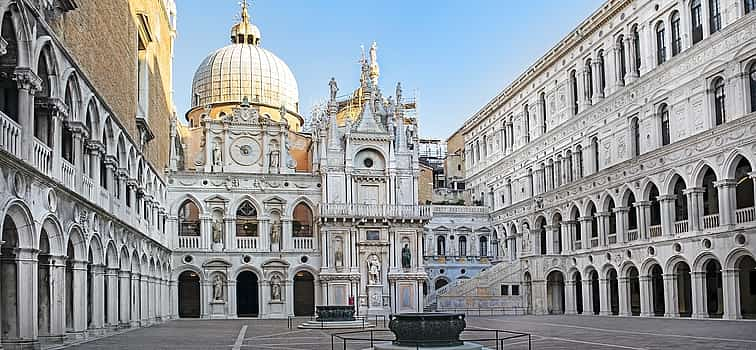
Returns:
<point x="375" y="211"/>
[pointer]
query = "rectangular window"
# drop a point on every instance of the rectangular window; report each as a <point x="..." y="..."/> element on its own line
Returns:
<point x="696" y="23"/>
<point x="373" y="235"/>
<point x="504" y="289"/>
<point x="515" y="289"/>
<point x="750" y="5"/>
<point x="715" y="17"/>
<point x="661" y="47"/>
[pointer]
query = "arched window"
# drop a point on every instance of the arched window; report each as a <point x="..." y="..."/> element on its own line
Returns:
<point x="602" y="72"/>
<point x="621" y="59"/>
<point x="711" y="194"/>
<point x="8" y="86"/>
<point x="526" y="122"/>
<point x="744" y="187"/>
<point x="750" y="5"/>
<point x="570" y="169"/>
<point x="574" y="84"/>
<point x="504" y="136"/>
<point x="635" y="132"/>
<point x="462" y="246"/>
<point x="752" y="84"/>
<point x="696" y="22"/>
<point x="681" y="202"/>
<point x="441" y="246"/>
<point x="715" y="17"/>
<point x="483" y="241"/>
<point x="485" y="146"/>
<point x="301" y="224"/>
<point x="542" y="102"/>
<point x="676" y="37"/>
<point x="531" y="183"/>
<point x="661" y="47"/>
<point x="588" y="79"/>
<point x="719" y="101"/>
<point x="632" y="217"/>
<point x="595" y="147"/>
<point x="189" y="222"/>
<point x="558" y="171"/>
<point x="664" y="117"/>
<point x="66" y="136"/>
<point x="636" y="36"/>
<point x="246" y="220"/>
<point x="579" y="155"/>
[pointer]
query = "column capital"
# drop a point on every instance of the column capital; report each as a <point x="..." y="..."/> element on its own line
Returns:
<point x="666" y="198"/>
<point x="725" y="183"/>
<point x="694" y="190"/>
<point x="752" y="175"/>
<point x="585" y="218"/>
<point x="26" y="79"/>
<point x="621" y="209"/>
<point x="603" y="214"/>
<point x="641" y="204"/>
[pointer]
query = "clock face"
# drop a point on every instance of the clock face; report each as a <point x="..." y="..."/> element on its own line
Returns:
<point x="245" y="151"/>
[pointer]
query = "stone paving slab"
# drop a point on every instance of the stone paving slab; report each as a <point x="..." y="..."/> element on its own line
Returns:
<point x="548" y="332"/>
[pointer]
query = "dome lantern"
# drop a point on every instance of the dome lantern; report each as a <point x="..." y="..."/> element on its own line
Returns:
<point x="245" y="32"/>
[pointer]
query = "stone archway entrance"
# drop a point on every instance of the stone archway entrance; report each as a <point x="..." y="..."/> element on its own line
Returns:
<point x="304" y="294"/>
<point x="189" y="295"/>
<point x="578" y="293"/>
<point x="634" y="285"/>
<point x="613" y="292"/>
<point x="247" y="297"/>
<point x="555" y="292"/>
<point x="657" y="291"/>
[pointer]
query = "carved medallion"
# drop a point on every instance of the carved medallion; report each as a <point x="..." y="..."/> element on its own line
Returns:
<point x="245" y="151"/>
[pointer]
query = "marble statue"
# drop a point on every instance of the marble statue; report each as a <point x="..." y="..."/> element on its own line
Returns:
<point x="217" y="157"/>
<point x="406" y="256"/>
<point x="275" y="156"/>
<point x="218" y="288"/>
<point x="275" y="232"/>
<point x="334" y="88"/>
<point x="283" y="112"/>
<point x="217" y="230"/>
<point x="275" y="289"/>
<point x="339" y="254"/>
<point x="399" y="93"/>
<point x="374" y="270"/>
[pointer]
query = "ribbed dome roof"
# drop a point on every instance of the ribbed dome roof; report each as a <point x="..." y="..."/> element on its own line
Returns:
<point x="242" y="70"/>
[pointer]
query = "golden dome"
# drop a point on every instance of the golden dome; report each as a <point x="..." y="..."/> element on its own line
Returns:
<point x="244" y="69"/>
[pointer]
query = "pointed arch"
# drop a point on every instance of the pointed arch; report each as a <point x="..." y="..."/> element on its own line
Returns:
<point x="111" y="255"/>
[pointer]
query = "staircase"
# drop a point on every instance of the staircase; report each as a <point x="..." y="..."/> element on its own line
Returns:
<point x="481" y="291"/>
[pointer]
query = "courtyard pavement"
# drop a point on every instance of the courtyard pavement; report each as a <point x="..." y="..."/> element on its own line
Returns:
<point x="548" y="332"/>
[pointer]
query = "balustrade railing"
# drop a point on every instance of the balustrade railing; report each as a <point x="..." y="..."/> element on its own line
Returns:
<point x="376" y="211"/>
<point x="189" y="242"/>
<point x="711" y="221"/>
<point x="632" y="234"/>
<point x="246" y="243"/>
<point x="594" y="242"/>
<point x="87" y="188"/>
<point x="681" y="226"/>
<point x="459" y="209"/>
<point x="69" y="174"/>
<point x="744" y="215"/>
<point x="655" y="231"/>
<point x="10" y="135"/>
<point x="42" y="157"/>
<point x="302" y="243"/>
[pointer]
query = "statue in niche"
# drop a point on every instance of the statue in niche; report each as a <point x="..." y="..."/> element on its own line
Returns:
<point x="406" y="256"/>
<point x="275" y="156"/>
<point x="218" y="288"/>
<point x="217" y="230"/>
<point x="275" y="289"/>
<point x="339" y="254"/>
<point x="374" y="270"/>
<point x="217" y="157"/>
<point x="333" y="87"/>
<point x="275" y="231"/>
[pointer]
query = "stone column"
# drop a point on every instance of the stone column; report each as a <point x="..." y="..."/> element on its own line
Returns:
<point x="174" y="299"/>
<point x="581" y="93"/>
<point x="144" y="295"/>
<point x="587" y="296"/>
<point x="623" y="289"/>
<point x="569" y="297"/>
<point x="604" y="294"/>
<point x="26" y="280"/>
<point x="645" y="296"/>
<point x="549" y="173"/>
<point x="111" y="279"/>
<point x="667" y="206"/>
<point x="603" y="228"/>
<point x="695" y="208"/>
<point x="643" y="213"/>
<point x="232" y="302"/>
<point x="135" y="300"/>
<point x="731" y="293"/>
<point x="585" y="231"/>
<point x="568" y="236"/>
<point x="622" y="223"/>
<point x="726" y="191"/>
<point x="124" y="303"/>
<point x="550" y="230"/>
<point x="79" y="311"/>
<point x="630" y="63"/>
<point x="670" y="295"/>
<point x="28" y="83"/>
<point x="98" y="297"/>
<point x="598" y="89"/>
<point x="698" y="286"/>
<point x="57" y="296"/>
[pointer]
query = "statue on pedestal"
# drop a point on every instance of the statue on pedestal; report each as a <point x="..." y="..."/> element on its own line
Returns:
<point x="333" y="87"/>
<point x="339" y="254"/>
<point x="217" y="231"/>
<point x="275" y="289"/>
<point x="374" y="270"/>
<point x="406" y="256"/>
<point x="275" y="232"/>
<point x="218" y="288"/>
<point x="217" y="157"/>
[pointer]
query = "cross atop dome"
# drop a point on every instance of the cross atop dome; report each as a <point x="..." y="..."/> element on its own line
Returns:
<point x="245" y="32"/>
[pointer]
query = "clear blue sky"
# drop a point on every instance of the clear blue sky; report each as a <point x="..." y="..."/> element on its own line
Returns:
<point x="457" y="55"/>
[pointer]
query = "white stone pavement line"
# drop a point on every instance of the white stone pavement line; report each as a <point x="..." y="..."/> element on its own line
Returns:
<point x="275" y="334"/>
<point x="240" y="338"/>
<point x="592" y="343"/>
<point x="629" y="332"/>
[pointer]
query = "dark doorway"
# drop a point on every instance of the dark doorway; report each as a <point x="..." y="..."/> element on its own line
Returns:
<point x="578" y="293"/>
<point x="247" y="300"/>
<point x="595" y="298"/>
<point x="304" y="294"/>
<point x="613" y="292"/>
<point x="634" y="282"/>
<point x="189" y="294"/>
<point x="657" y="290"/>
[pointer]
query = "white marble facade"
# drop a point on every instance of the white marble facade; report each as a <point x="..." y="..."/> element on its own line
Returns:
<point x="619" y="169"/>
